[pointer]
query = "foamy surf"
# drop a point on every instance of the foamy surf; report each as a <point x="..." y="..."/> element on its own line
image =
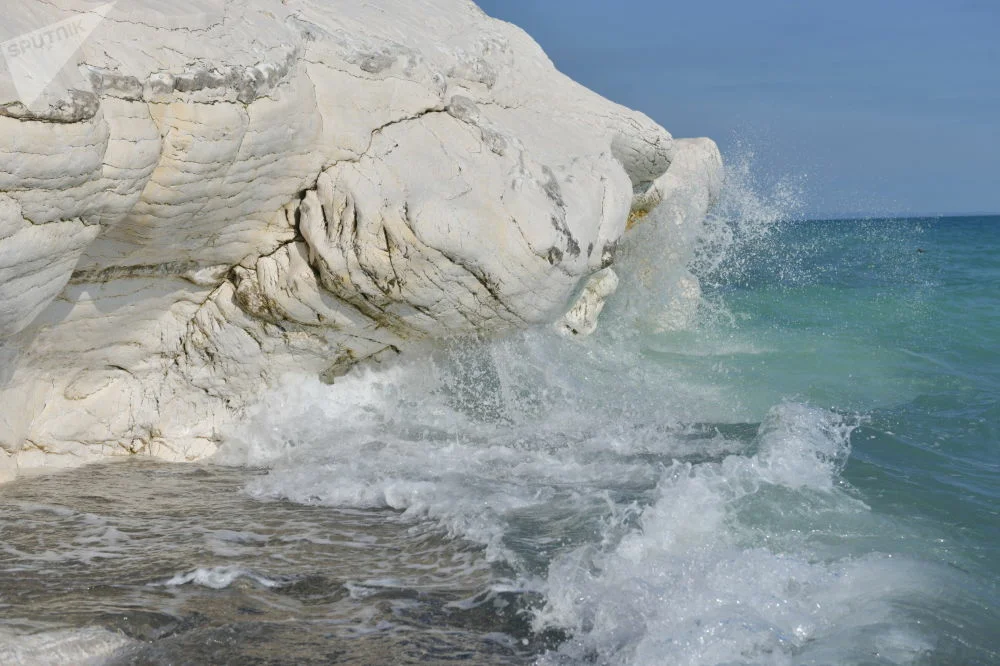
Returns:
<point x="703" y="580"/>
<point x="86" y="647"/>
<point x="659" y="516"/>
<point x="219" y="577"/>
<point x="650" y="540"/>
<point x="749" y="489"/>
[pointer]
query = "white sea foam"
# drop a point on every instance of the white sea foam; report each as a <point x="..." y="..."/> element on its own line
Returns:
<point x="653" y="540"/>
<point x="84" y="647"/>
<point x="700" y="583"/>
<point x="663" y="519"/>
<point x="473" y="440"/>
<point x="219" y="578"/>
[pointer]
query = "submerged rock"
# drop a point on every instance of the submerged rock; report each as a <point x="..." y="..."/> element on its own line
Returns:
<point x="207" y="197"/>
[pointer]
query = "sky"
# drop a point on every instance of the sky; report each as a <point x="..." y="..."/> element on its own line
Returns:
<point x="874" y="106"/>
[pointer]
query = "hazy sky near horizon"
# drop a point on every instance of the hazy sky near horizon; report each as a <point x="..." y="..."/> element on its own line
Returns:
<point x="878" y="106"/>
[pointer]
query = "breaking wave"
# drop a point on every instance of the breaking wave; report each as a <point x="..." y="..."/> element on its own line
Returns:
<point x="658" y="512"/>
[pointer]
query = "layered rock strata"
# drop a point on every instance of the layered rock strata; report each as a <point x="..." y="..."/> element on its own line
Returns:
<point x="227" y="192"/>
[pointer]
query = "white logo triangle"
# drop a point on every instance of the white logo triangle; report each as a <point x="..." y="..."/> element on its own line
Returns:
<point x="35" y="58"/>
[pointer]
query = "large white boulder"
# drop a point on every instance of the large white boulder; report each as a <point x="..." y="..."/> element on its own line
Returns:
<point x="209" y="195"/>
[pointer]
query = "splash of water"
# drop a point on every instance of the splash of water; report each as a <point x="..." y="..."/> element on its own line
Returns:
<point x="659" y="518"/>
<point x="665" y="268"/>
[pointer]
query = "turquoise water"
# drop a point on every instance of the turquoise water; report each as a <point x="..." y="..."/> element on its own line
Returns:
<point x="799" y="465"/>
<point x="898" y="322"/>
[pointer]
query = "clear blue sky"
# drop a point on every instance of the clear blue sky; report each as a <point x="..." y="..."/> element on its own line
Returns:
<point x="882" y="105"/>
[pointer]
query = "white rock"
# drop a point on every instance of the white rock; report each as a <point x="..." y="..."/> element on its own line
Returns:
<point x="581" y="319"/>
<point x="656" y="253"/>
<point x="685" y="193"/>
<point x="224" y="192"/>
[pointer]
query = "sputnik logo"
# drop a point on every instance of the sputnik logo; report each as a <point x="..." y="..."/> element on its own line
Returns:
<point x="35" y="58"/>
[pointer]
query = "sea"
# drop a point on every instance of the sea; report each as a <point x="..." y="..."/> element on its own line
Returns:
<point x="781" y="446"/>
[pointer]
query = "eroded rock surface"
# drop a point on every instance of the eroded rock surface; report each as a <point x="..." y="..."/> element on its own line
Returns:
<point x="226" y="192"/>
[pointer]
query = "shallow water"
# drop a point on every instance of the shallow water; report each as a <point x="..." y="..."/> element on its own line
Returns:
<point x="185" y="568"/>
<point x="805" y="472"/>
